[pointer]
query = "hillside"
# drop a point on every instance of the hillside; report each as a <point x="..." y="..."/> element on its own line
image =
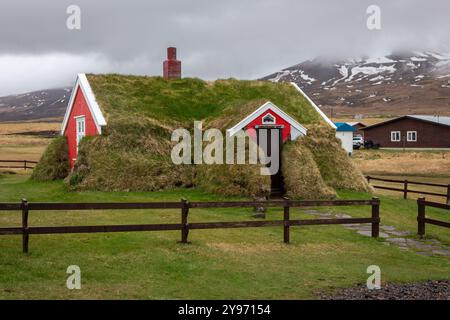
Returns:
<point x="49" y="104"/>
<point x="397" y="84"/>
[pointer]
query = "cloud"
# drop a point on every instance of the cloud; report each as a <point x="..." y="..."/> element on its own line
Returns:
<point x="215" y="39"/>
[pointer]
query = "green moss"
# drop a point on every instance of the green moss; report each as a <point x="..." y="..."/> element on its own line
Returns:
<point x="54" y="163"/>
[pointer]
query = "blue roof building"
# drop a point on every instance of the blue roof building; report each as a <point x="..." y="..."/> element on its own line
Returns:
<point x="344" y="126"/>
<point x="344" y="132"/>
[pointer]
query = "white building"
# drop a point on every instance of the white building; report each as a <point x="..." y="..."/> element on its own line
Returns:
<point x="344" y="132"/>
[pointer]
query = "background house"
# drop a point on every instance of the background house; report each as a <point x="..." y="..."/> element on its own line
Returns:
<point x="411" y="131"/>
<point x="358" y="126"/>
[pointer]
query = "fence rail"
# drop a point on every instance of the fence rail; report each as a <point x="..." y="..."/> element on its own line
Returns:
<point x="405" y="189"/>
<point x="17" y="164"/>
<point x="422" y="219"/>
<point x="184" y="226"/>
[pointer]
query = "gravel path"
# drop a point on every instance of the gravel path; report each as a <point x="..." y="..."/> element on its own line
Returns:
<point x="430" y="290"/>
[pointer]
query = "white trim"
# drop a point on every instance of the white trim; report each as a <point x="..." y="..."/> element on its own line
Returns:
<point x="324" y="116"/>
<point x="399" y="136"/>
<point x="83" y="83"/>
<point x="258" y="112"/>
<point x="407" y="136"/>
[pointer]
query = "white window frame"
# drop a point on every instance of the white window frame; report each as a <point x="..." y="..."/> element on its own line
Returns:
<point x="395" y="133"/>
<point x="411" y="132"/>
<point x="80" y="128"/>
<point x="273" y="117"/>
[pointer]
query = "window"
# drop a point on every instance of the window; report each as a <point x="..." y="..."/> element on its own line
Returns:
<point x="268" y="119"/>
<point x="395" y="136"/>
<point x="81" y="129"/>
<point x="411" y="136"/>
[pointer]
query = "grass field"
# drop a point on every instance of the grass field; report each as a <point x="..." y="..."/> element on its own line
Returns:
<point x="14" y="146"/>
<point x="366" y="121"/>
<point x="223" y="263"/>
<point x="218" y="264"/>
<point x="418" y="166"/>
<point x="403" y="163"/>
<point x="411" y="186"/>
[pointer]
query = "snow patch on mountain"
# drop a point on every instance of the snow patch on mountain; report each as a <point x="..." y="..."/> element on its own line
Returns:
<point x="380" y="60"/>
<point x="370" y="71"/>
<point x="399" y="78"/>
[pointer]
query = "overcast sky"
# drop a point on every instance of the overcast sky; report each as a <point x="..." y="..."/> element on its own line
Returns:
<point x="215" y="38"/>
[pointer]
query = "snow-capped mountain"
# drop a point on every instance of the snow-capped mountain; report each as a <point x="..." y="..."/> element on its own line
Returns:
<point x="400" y="83"/>
<point x="44" y="104"/>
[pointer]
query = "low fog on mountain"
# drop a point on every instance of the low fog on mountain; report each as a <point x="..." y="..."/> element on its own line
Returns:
<point x="216" y="39"/>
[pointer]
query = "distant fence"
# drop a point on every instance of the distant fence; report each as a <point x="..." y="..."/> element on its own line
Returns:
<point x="18" y="164"/>
<point x="405" y="189"/>
<point x="184" y="226"/>
<point x="422" y="219"/>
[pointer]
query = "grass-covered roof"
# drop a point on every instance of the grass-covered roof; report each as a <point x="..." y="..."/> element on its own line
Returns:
<point x="191" y="99"/>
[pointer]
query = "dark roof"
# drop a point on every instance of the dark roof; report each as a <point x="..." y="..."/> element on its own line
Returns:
<point x="439" y="120"/>
<point x="356" y="123"/>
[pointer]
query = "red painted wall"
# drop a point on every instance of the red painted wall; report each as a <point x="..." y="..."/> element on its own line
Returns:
<point x="80" y="108"/>
<point x="286" y="131"/>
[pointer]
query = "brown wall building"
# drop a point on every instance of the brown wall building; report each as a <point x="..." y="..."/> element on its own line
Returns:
<point x="358" y="128"/>
<point x="411" y="132"/>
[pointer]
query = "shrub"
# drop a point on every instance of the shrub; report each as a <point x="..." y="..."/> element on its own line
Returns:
<point x="336" y="167"/>
<point x="302" y="177"/>
<point x="54" y="163"/>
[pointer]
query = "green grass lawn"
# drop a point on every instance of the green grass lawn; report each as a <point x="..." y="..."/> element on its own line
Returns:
<point x="218" y="264"/>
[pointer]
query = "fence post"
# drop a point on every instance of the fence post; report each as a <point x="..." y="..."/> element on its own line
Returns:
<point x="405" y="190"/>
<point x="286" y="221"/>
<point x="25" y="235"/>
<point x="375" y="217"/>
<point x="184" y="221"/>
<point x="421" y="217"/>
<point x="448" y="194"/>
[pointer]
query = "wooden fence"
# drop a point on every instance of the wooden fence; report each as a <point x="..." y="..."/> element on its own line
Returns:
<point x="17" y="164"/>
<point x="422" y="219"/>
<point x="184" y="226"/>
<point x="405" y="189"/>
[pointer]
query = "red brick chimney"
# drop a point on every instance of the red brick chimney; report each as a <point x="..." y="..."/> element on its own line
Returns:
<point x="172" y="66"/>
